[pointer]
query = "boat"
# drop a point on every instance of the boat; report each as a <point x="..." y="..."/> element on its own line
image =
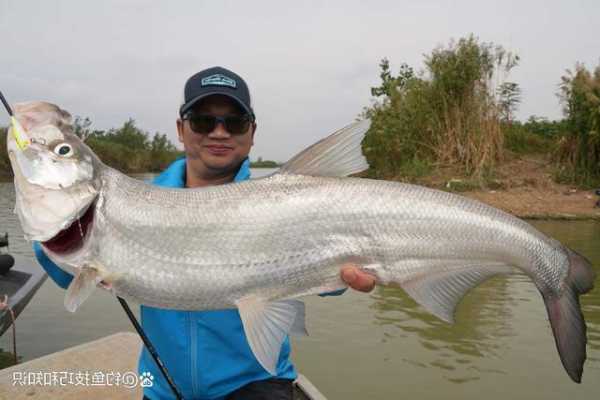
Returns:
<point x="305" y="390"/>
<point x="18" y="284"/>
<point x="115" y="354"/>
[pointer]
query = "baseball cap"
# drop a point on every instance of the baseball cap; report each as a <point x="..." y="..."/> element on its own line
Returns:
<point x="215" y="80"/>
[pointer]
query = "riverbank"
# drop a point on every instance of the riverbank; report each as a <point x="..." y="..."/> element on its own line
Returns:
<point x="523" y="186"/>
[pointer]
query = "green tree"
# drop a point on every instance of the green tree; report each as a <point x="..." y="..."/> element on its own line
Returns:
<point x="544" y="127"/>
<point x="162" y="152"/>
<point x="389" y="83"/>
<point x="129" y="136"/>
<point x="131" y="146"/>
<point x="509" y="98"/>
<point x="81" y="127"/>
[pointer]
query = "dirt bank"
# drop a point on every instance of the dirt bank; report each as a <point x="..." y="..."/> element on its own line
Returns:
<point x="524" y="187"/>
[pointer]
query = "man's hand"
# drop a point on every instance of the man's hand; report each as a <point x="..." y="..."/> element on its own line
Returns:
<point x="357" y="279"/>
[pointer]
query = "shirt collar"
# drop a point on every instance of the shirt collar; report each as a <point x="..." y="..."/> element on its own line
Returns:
<point x="174" y="175"/>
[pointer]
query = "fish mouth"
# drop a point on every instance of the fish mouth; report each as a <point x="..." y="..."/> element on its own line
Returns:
<point x="73" y="237"/>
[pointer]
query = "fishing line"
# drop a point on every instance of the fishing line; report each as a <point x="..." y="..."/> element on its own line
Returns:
<point x="5" y="305"/>
<point x="125" y="306"/>
<point x="79" y="223"/>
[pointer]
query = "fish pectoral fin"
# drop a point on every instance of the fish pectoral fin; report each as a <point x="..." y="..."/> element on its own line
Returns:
<point x="82" y="286"/>
<point x="339" y="154"/>
<point x="267" y="324"/>
<point x="439" y="292"/>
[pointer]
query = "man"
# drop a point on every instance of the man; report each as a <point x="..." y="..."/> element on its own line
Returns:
<point x="206" y="352"/>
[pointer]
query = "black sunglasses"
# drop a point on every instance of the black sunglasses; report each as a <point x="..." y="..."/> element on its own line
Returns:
<point x="206" y="123"/>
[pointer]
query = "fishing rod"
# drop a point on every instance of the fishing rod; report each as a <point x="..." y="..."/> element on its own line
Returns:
<point x="17" y="131"/>
<point x="132" y="318"/>
<point x="150" y="348"/>
<point x="6" y="105"/>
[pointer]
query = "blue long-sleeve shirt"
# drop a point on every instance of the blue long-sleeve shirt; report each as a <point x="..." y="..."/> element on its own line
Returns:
<point x="206" y="352"/>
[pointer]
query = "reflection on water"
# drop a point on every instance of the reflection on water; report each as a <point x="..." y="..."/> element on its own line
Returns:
<point x="7" y="359"/>
<point x="485" y="320"/>
<point x="481" y="321"/>
<point x="381" y="345"/>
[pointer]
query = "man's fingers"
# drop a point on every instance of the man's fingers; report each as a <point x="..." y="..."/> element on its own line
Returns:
<point x="349" y="275"/>
<point x="357" y="279"/>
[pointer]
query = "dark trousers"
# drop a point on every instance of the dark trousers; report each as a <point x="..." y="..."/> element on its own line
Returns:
<point x="269" y="389"/>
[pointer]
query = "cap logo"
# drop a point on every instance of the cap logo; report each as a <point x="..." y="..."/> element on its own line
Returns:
<point x="218" y="80"/>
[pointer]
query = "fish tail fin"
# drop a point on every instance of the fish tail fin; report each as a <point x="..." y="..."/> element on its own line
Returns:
<point x="566" y="318"/>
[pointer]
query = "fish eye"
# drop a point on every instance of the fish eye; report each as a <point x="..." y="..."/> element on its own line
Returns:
<point x="63" y="150"/>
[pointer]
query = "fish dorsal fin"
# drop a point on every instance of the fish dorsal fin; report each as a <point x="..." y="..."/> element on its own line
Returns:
<point x="441" y="290"/>
<point x="339" y="154"/>
<point x="267" y="324"/>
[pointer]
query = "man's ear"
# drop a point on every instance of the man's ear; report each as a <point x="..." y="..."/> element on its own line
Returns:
<point x="253" y="131"/>
<point x="180" y="130"/>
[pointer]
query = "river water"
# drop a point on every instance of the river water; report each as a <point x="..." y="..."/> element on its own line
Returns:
<point x="379" y="345"/>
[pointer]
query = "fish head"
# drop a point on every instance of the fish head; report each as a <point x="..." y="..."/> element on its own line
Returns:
<point x="56" y="177"/>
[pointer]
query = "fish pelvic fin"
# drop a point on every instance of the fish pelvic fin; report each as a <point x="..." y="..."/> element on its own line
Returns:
<point x="83" y="285"/>
<point x="566" y="318"/>
<point x="339" y="154"/>
<point x="267" y="324"/>
<point x="442" y="286"/>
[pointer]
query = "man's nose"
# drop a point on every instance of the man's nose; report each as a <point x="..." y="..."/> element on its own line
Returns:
<point x="219" y="131"/>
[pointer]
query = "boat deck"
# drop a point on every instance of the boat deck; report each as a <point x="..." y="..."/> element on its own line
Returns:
<point x="102" y="369"/>
<point x="19" y="285"/>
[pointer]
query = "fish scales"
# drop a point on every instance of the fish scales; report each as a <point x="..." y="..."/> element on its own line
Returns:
<point x="260" y="241"/>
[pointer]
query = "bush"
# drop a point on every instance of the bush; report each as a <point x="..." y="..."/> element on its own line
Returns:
<point x="520" y="139"/>
<point x="448" y="115"/>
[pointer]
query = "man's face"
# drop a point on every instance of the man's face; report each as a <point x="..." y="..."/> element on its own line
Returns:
<point x="218" y="152"/>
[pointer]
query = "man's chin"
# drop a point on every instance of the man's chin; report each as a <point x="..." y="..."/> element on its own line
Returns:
<point x="222" y="164"/>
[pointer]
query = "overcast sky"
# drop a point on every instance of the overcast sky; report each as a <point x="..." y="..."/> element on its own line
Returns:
<point x="309" y="66"/>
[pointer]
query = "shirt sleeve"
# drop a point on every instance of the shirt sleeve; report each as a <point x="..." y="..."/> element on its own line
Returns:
<point x="60" y="277"/>
<point x="334" y="293"/>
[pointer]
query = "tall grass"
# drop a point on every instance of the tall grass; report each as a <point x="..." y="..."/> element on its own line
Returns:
<point x="579" y="149"/>
<point x="448" y="114"/>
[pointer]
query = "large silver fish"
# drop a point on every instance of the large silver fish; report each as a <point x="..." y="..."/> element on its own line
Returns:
<point x="260" y="245"/>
